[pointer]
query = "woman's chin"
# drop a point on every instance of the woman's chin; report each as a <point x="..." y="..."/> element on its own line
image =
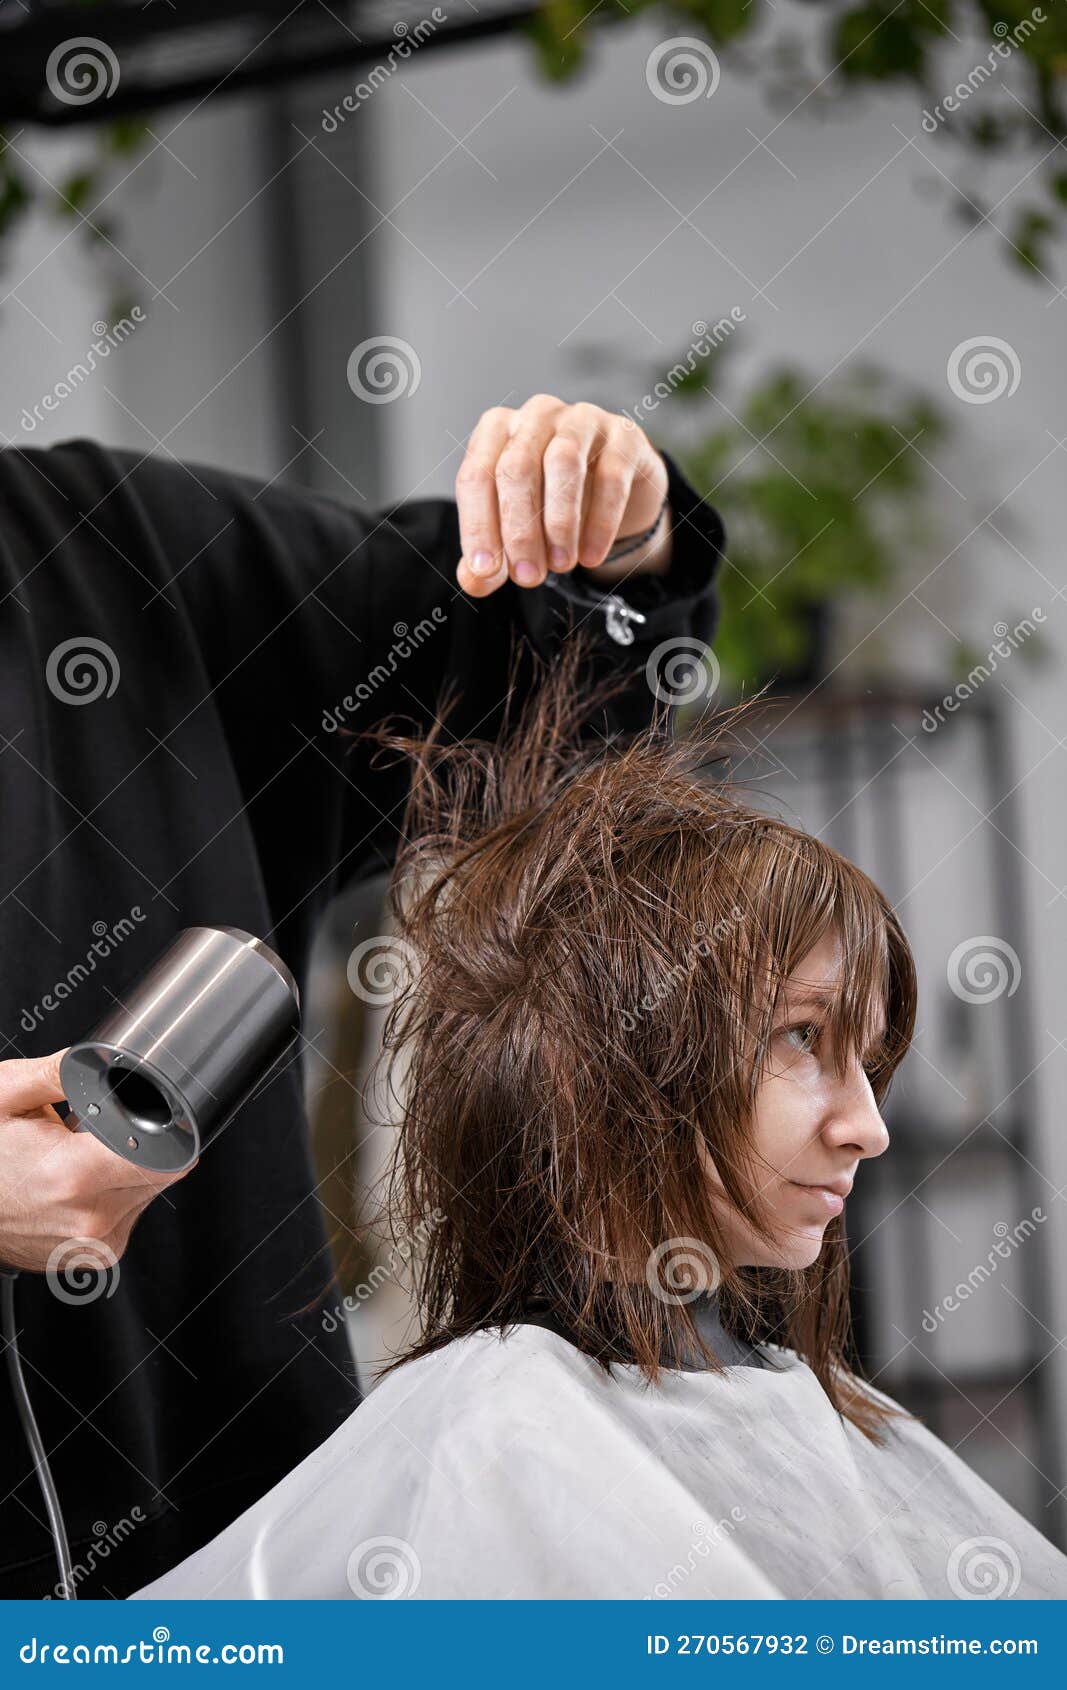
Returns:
<point x="802" y="1251"/>
<point x="799" y="1251"/>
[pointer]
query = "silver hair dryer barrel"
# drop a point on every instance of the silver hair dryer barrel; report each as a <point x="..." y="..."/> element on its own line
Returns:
<point x="166" y="1069"/>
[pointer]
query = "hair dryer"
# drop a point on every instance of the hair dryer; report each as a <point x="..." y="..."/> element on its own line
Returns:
<point x="159" y="1077"/>
<point x="172" y="1063"/>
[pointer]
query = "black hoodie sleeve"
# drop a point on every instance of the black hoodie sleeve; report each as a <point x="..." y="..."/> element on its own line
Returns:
<point x="288" y="616"/>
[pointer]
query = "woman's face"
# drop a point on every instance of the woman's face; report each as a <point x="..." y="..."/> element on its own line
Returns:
<point x="812" y="1129"/>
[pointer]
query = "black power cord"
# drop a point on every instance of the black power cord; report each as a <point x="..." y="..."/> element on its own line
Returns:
<point x="33" y="1435"/>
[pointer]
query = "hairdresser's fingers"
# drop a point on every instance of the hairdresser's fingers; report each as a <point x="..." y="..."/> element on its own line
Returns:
<point x="480" y="586"/>
<point x="629" y="487"/>
<point x="105" y="1168"/>
<point x="552" y="484"/>
<point x="65" y="1166"/>
<point x="568" y="485"/>
<point x="613" y="477"/>
<point x="60" y="1189"/>
<point x="520" y="488"/>
<point x="87" y="1167"/>
<point x="28" y="1083"/>
<point x="28" y="1086"/>
<point x="483" y="566"/>
<point x="500" y="493"/>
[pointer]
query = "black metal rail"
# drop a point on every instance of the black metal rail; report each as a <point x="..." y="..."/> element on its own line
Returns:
<point x="159" y="54"/>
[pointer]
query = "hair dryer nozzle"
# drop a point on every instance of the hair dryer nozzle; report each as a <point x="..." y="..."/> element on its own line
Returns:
<point x="166" y="1069"/>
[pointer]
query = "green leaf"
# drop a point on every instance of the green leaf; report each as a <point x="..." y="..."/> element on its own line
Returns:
<point x="75" y="192"/>
<point x="15" y="193"/>
<point x="1030" y="237"/>
<point x="125" y="135"/>
<point x="557" y="36"/>
<point x="824" y="492"/>
<point x="721" y="20"/>
<point x="877" y="43"/>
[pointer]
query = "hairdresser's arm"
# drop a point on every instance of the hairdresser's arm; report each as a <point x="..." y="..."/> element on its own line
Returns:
<point x="280" y="621"/>
<point x="59" y="1188"/>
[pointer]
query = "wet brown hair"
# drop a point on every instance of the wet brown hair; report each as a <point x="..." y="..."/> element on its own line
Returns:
<point x="601" y="929"/>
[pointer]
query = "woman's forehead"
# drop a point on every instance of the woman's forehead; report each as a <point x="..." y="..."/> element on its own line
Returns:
<point x="820" y="978"/>
<point x="817" y="976"/>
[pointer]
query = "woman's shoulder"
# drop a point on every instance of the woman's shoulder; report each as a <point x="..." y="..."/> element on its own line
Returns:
<point x="488" y="1368"/>
<point x="464" y="1407"/>
<point x="522" y="1359"/>
<point x="519" y="1387"/>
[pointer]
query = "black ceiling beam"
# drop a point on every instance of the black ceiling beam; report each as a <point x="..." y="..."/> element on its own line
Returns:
<point x="293" y="44"/>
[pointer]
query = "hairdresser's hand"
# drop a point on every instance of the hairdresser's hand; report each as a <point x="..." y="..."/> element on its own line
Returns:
<point x="551" y="486"/>
<point x="57" y="1186"/>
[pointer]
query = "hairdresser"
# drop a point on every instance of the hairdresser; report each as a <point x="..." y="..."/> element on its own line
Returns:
<point x="180" y="650"/>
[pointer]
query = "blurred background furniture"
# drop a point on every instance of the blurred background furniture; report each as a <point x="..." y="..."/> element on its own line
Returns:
<point x="962" y="1172"/>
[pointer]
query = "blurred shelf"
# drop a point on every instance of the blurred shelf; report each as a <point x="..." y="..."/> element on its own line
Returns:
<point x="855" y="764"/>
<point x="918" y="1383"/>
<point x="918" y="1142"/>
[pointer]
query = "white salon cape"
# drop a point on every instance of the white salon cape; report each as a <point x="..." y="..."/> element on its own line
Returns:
<point x="517" y="1468"/>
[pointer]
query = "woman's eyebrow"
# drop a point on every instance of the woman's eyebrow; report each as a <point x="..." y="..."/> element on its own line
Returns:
<point x="820" y="996"/>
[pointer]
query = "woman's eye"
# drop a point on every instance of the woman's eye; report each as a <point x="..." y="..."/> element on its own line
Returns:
<point x="804" y="1035"/>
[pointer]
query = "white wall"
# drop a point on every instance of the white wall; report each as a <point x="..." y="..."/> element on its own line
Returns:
<point x="598" y="219"/>
<point x="197" y="376"/>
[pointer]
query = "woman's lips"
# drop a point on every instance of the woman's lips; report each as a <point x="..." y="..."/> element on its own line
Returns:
<point x="832" y="1200"/>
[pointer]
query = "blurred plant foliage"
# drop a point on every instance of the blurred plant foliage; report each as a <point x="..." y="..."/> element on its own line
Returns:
<point x="1018" y="107"/>
<point x="80" y="196"/>
<point x="827" y="491"/>
<point x="1012" y="79"/>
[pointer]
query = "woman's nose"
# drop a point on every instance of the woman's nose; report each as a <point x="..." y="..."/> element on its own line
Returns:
<point x="856" y="1119"/>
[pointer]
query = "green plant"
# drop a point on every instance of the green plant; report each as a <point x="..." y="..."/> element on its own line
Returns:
<point x="80" y="197"/>
<point x="1015" y="54"/>
<point x="826" y="492"/>
<point x="860" y="44"/>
